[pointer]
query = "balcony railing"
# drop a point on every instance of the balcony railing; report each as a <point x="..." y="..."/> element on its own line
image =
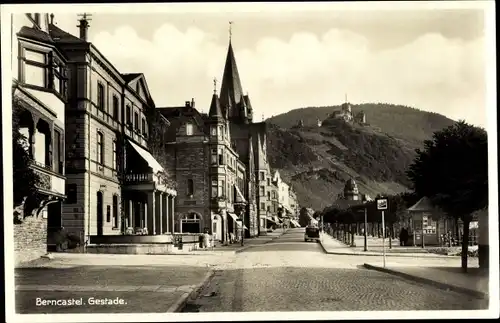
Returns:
<point x="138" y="178"/>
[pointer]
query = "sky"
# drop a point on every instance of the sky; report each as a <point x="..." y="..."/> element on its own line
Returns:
<point x="433" y="60"/>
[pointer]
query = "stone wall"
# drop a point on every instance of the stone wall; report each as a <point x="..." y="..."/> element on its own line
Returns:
<point x="30" y="239"/>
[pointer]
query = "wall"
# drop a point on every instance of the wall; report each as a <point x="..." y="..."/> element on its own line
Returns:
<point x="30" y="239"/>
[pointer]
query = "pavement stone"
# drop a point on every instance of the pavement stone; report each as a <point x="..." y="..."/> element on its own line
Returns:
<point x="292" y="275"/>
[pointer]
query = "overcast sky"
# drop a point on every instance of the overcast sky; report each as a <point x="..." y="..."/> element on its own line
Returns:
<point x="433" y="60"/>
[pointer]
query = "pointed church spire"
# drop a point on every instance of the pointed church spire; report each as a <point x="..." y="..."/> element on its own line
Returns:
<point x="231" y="90"/>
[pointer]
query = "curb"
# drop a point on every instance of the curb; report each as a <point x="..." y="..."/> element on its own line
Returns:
<point x="427" y="281"/>
<point x="182" y="301"/>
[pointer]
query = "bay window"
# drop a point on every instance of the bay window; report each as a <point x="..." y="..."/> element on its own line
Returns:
<point x="214" y="157"/>
<point x="214" y="188"/>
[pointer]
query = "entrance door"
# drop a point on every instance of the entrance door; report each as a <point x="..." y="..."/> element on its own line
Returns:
<point x="100" y="216"/>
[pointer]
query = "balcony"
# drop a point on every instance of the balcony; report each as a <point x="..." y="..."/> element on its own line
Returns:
<point x="139" y="181"/>
<point x="218" y="202"/>
<point x="51" y="182"/>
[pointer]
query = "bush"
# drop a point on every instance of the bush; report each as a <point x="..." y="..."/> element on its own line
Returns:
<point x="66" y="240"/>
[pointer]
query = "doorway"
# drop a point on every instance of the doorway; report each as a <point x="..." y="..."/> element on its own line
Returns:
<point x="100" y="216"/>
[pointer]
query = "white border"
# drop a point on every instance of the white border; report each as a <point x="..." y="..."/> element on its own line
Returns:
<point x="261" y="8"/>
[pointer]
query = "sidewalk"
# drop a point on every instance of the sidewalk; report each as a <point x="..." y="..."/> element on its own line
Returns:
<point x="374" y="246"/>
<point x="474" y="282"/>
<point x="143" y="289"/>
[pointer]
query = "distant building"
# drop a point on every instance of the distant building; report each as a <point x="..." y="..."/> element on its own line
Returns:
<point x="350" y="196"/>
<point x="346" y="114"/>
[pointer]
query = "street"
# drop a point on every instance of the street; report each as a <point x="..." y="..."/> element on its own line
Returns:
<point x="289" y="274"/>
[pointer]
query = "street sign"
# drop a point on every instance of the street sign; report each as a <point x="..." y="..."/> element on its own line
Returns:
<point x="381" y="203"/>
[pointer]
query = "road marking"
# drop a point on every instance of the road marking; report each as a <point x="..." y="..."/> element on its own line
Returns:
<point x="110" y="288"/>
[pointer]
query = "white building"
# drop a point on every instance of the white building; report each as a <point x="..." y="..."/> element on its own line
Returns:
<point x="283" y="194"/>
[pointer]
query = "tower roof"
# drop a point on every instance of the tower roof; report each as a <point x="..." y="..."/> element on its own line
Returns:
<point x="231" y="92"/>
<point x="215" y="109"/>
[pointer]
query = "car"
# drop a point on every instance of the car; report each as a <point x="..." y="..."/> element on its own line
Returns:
<point x="312" y="233"/>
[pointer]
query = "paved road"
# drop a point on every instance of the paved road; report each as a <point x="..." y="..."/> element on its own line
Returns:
<point x="289" y="274"/>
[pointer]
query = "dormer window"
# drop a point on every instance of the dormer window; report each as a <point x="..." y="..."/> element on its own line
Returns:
<point x="189" y="129"/>
<point x="214" y="131"/>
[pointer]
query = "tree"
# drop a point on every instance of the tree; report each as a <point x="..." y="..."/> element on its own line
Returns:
<point x="25" y="179"/>
<point x="304" y="217"/>
<point x="452" y="171"/>
<point x="158" y="131"/>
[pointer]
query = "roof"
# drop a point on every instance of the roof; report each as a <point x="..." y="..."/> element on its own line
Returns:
<point x="62" y="36"/>
<point x="215" y="109"/>
<point x="34" y="33"/>
<point x="231" y="91"/>
<point x="129" y="77"/>
<point x="423" y="205"/>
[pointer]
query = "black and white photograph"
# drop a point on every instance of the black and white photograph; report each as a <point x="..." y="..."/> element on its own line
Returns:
<point x="250" y="161"/>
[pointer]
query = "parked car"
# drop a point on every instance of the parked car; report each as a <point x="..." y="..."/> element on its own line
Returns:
<point x="312" y="233"/>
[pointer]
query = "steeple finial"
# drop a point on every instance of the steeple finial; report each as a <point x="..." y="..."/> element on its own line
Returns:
<point x="230" y="30"/>
<point x="345" y="97"/>
<point x="215" y="85"/>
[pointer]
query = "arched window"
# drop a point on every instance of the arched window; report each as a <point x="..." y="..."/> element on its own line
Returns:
<point x="191" y="223"/>
<point x="190" y="187"/>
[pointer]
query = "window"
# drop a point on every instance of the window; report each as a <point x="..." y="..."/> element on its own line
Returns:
<point x="269" y="195"/>
<point x="268" y="208"/>
<point x="214" y="157"/>
<point x="221" y="156"/>
<point x="268" y="182"/>
<point x="59" y="76"/>
<point x="100" y="148"/>
<point x="58" y="154"/>
<point x="189" y="129"/>
<point x="100" y="96"/>
<point x="214" y="131"/>
<point x="115" y="107"/>
<point x="143" y="126"/>
<point x="136" y="121"/>
<point x="35" y="68"/>
<point x="190" y="187"/>
<point x="108" y="213"/>
<point x="262" y="191"/>
<point x="129" y="115"/>
<point x="114" y="154"/>
<point x="71" y="194"/>
<point x="221" y="133"/>
<point x="115" y="211"/>
<point x="222" y="188"/>
<point x="262" y="176"/>
<point x="214" y="188"/>
<point x="262" y="206"/>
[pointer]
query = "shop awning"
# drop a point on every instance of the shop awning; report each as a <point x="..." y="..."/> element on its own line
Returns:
<point x="238" y="222"/>
<point x="239" y="196"/>
<point x="146" y="155"/>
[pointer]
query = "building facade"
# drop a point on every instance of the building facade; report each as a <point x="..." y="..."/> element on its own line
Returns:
<point x="114" y="184"/>
<point x="39" y="92"/>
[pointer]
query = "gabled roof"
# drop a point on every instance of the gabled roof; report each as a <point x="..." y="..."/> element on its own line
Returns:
<point x="231" y="91"/>
<point x="129" y="77"/>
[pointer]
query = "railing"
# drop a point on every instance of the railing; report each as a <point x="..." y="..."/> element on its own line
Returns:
<point x="41" y="165"/>
<point x="138" y="178"/>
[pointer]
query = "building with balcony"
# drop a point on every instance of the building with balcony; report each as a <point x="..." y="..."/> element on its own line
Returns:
<point x="114" y="183"/>
<point x="39" y="97"/>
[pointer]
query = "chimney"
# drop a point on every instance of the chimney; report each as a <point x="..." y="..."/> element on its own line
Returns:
<point x="192" y="103"/>
<point x="188" y="104"/>
<point x="84" y="26"/>
<point x="51" y="18"/>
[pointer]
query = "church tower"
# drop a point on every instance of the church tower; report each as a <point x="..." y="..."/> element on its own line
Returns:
<point x="351" y="191"/>
<point x="239" y="109"/>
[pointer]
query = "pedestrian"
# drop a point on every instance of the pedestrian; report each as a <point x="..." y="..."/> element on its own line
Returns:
<point x="405" y="237"/>
<point x="401" y="239"/>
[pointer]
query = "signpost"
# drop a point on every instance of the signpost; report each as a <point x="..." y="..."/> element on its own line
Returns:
<point x="382" y="206"/>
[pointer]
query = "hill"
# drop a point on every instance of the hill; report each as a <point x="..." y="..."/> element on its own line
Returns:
<point x="318" y="160"/>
